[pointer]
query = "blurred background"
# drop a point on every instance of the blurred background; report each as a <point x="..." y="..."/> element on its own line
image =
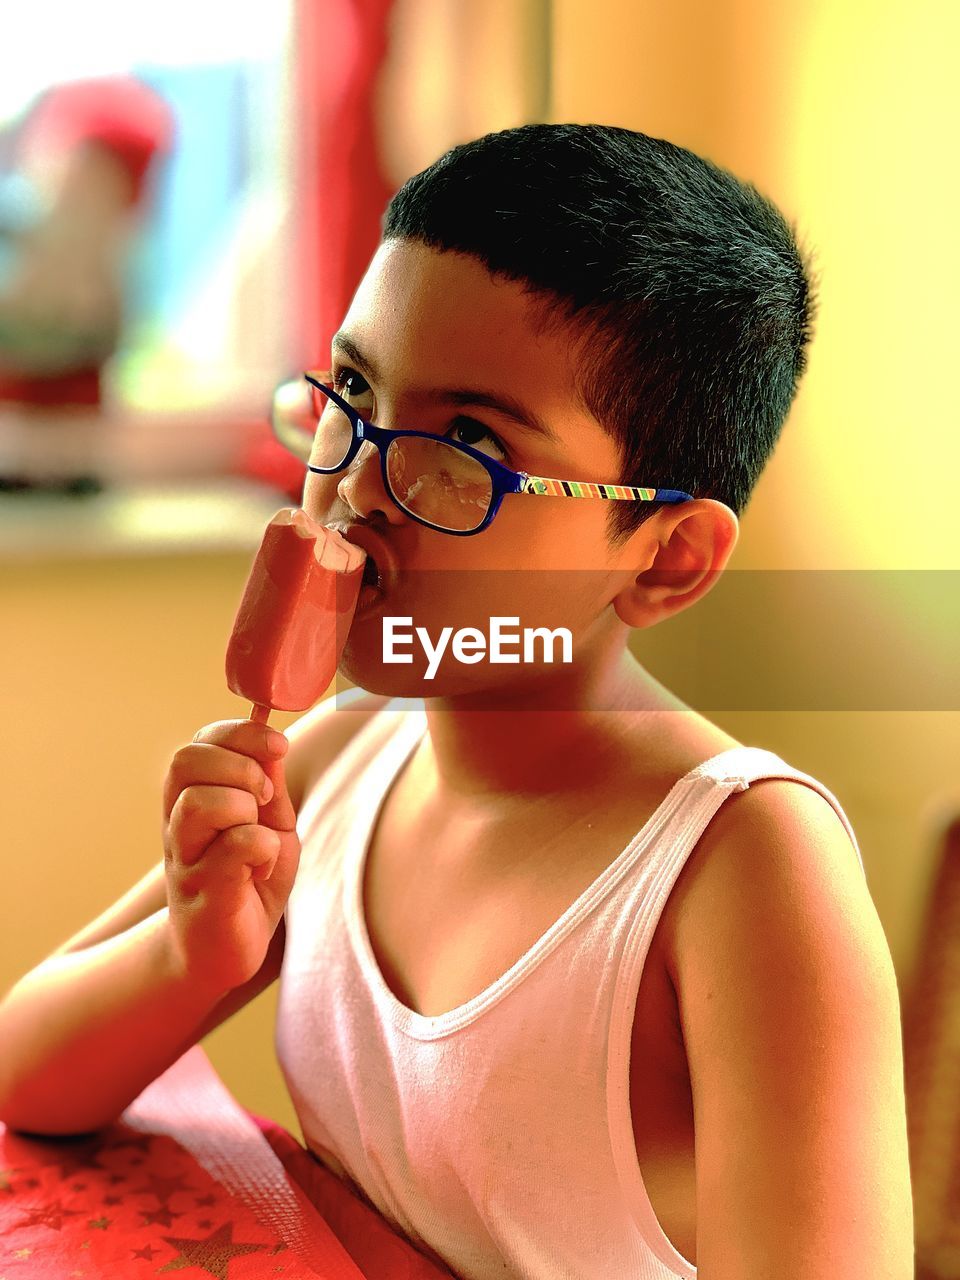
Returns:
<point x="187" y="202"/>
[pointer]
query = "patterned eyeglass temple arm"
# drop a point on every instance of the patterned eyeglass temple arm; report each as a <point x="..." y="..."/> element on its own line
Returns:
<point x="587" y="489"/>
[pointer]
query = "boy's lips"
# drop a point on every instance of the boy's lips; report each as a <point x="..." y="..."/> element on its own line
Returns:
<point x="370" y="542"/>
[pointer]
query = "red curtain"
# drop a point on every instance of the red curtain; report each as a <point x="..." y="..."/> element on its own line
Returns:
<point x="340" y="190"/>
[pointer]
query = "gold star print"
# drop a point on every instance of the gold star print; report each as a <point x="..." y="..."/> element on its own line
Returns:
<point x="212" y="1254"/>
<point x="51" y="1215"/>
<point x="146" y="1252"/>
<point x="23" y="1253"/>
<point x="99" y="1224"/>
<point x="162" y="1188"/>
<point x="163" y="1216"/>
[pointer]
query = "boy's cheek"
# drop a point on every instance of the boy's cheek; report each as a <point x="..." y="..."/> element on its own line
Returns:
<point x="471" y="597"/>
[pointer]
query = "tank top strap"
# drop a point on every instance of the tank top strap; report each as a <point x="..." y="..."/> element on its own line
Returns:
<point x="737" y="768"/>
<point x="354" y="775"/>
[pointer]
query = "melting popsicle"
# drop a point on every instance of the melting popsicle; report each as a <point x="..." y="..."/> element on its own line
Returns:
<point x="295" y="614"/>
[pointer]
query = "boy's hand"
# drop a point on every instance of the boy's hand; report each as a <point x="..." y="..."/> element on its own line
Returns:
<point x="231" y="850"/>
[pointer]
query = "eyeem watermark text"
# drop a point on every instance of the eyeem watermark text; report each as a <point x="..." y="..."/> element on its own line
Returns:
<point x="470" y="645"/>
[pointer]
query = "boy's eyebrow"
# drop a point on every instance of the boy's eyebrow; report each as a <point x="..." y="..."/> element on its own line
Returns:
<point x="501" y="402"/>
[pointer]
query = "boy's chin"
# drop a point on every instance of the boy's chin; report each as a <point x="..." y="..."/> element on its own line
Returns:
<point x="482" y="687"/>
<point x="405" y="681"/>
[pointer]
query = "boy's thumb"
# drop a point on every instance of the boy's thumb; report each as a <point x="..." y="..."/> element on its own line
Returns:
<point x="278" y="812"/>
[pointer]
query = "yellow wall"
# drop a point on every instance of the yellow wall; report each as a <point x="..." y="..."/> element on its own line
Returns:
<point x="847" y="114"/>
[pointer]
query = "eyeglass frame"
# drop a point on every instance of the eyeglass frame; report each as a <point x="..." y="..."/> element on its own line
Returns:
<point x="504" y="480"/>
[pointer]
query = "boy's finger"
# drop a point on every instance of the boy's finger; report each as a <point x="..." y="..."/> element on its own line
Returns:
<point x="229" y="859"/>
<point x="201" y="813"/>
<point x="202" y="763"/>
<point x="247" y="736"/>
<point x="278" y="812"/>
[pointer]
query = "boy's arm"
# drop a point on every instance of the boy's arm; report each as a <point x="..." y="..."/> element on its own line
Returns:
<point x="791" y="1020"/>
<point x="87" y="1029"/>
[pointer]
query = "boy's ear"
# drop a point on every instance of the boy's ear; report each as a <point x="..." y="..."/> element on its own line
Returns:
<point x="682" y="556"/>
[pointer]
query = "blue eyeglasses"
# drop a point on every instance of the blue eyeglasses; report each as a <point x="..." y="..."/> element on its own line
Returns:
<point x="443" y="484"/>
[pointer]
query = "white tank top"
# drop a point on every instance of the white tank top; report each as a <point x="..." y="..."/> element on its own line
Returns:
<point x="497" y="1136"/>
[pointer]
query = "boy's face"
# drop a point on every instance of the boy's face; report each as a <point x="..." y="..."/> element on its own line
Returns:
<point x="424" y="321"/>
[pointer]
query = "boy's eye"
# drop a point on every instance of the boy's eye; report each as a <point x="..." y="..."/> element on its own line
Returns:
<point x="349" y="375"/>
<point x="473" y="432"/>
<point x="470" y="431"/>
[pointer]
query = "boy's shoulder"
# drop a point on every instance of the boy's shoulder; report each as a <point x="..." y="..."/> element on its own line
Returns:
<point x="779" y="844"/>
<point x="778" y="838"/>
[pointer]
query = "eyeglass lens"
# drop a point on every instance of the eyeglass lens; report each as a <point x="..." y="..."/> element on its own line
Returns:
<point x="426" y="476"/>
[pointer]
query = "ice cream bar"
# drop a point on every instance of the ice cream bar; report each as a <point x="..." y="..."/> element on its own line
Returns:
<point x="295" y="614"/>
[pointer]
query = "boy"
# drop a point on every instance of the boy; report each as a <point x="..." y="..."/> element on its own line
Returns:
<point x="563" y="993"/>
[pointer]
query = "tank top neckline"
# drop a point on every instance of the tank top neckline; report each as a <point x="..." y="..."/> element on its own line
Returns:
<point x="397" y="750"/>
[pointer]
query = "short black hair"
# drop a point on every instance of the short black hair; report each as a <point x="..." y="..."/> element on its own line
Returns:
<point x="684" y="291"/>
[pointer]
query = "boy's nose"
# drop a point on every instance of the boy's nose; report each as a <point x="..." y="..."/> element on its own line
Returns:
<point x="361" y="485"/>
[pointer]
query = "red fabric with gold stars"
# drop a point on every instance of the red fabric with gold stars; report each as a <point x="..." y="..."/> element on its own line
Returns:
<point x="123" y="1204"/>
